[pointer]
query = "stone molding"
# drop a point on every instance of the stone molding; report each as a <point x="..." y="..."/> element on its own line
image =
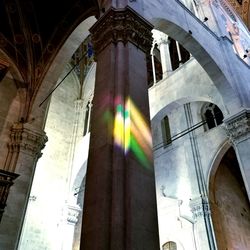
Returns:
<point x="200" y="207"/>
<point x="238" y="127"/>
<point x="26" y="139"/>
<point x="73" y="214"/>
<point x="121" y="25"/>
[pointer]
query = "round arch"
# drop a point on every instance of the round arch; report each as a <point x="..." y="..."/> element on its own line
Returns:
<point x="15" y="73"/>
<point x="206" y="47"/>
<point x="177" y="103"/>
<point x="214" y="166"/>
<point x="56" y="68"/>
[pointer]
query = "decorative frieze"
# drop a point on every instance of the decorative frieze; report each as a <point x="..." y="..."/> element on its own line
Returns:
<point x="199" y="207"/>
<point x="121" y="25"/>
<point x="238" y="126"/>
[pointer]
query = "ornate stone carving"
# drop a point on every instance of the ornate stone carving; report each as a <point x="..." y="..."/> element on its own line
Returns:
<point x="200" y="207"/>
<point x="73" y="213"/>
<point x="238" y="126"/>
<point x="23" y="138"/>
<point x="123" y="25"/>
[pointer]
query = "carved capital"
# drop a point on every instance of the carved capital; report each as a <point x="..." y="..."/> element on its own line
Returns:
<point x="199" y="207"/>
<point x="26" y="139"/>
<point x="121" y="25"/>
<point x="238" y="126"/>
<point x="160" y="37"/>
<point x="73" y="213"/>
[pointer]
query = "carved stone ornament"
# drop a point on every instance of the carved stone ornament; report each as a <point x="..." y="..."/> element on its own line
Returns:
<point x="121" y="25"/>
<point x="199" y="207"/>
<point x="238" y="126"/>
<point x="26" y="139"/>
<point x="73" y="213"/>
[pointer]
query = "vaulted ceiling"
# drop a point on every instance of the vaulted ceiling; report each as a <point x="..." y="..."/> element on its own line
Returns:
<point x="31" y="32"/>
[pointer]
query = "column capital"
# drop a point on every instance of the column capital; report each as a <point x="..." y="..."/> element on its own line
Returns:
<point x="199" y="207"/>
<point x="160" y="37"/>
<point x="23" y="137"/>
<point x="238" y="126"/>
<point x="121" y="25"/>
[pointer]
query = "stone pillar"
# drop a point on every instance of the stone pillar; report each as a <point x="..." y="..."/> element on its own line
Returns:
<point x="202" y="216"/>
<point x="120" y="201"/>
<point x="199" y="205"/>
<point x="162" y="41"/>
<point x="238" y="130"/>
<point x="24" y="149"/>
<point x="72" y="218"/>
<point x="178" y="53"/>
<point x="90" y="105"/>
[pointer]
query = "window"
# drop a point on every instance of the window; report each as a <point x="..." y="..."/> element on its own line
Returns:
<point x="212" y="115"/>
<point x="166" y="131"/>
<point x="170" y="245"/>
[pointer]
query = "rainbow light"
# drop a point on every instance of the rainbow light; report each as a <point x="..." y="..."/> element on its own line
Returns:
<point x="131" y="132"/>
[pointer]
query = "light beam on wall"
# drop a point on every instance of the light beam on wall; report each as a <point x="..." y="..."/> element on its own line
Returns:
<point x="131" y="132"/>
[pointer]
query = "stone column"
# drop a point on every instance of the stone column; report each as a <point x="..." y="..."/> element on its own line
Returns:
<point x="238" y="130"/>
<point x="204" y="233"/>
<point x="24" y="150"/>
<point x="162" y="41"/>
<point x="72" y="218"/>
<point x="90" y="105"/>
<point x="202" y="223"/>
<point x="120" y="201"/>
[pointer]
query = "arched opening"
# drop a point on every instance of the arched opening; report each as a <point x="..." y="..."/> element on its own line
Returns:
<point x="230" y="206"/>
<point x="62" y="167"/>
<point x="170" y="245"/>
<point x="211" y="115"/>
<point x="166" y="134"/>
<point x="178" y="54"/>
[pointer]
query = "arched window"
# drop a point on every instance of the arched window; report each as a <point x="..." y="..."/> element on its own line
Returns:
<point x="170" y="245"/>
<point x="166" y="131"/>
<point x="212" y="116"/>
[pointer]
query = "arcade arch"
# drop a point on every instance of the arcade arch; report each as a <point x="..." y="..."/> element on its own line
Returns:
<point x="226" y="189"/>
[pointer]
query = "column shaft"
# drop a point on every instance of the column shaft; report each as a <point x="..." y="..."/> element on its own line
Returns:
<point x="25" y="148"/>
<point x="120" y="204"/>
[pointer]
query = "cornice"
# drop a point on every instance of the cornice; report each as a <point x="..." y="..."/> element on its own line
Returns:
<point x="238" y="127"/>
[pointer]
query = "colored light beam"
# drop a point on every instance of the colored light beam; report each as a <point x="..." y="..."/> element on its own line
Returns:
<point x="131" y="132"/>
